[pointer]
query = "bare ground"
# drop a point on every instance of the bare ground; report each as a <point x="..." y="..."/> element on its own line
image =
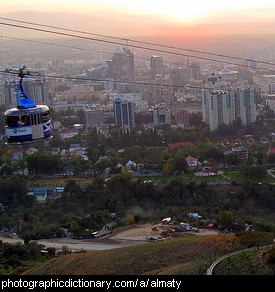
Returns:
<point x="122" y="236"/>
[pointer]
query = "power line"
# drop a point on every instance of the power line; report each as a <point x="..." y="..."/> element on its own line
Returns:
<point x="69" y="47"/>
<point x="52" y="44"/>
<point x="100" y="80"/>
<point x="66" y="29"/>
<point x="127" y="40"/>
<point x="143" y="83"/>
<point x="119" y="43"/>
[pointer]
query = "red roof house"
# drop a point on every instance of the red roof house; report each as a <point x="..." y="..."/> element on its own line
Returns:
<point x="192" y="162"/>
<point x="263" y="140"/>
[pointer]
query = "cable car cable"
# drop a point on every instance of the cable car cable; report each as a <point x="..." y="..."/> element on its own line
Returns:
<point x="139" y="41"/>
<point x="118" y="43"/>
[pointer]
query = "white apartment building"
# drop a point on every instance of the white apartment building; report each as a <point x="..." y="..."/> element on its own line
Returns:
<point x="245" y="104"/>
<point x="161" y="114"/>
<point x="270" y="101"/>
<point x="265" y="84"/>
<point x="224" y="106"/>
<point x="217" y="108"/>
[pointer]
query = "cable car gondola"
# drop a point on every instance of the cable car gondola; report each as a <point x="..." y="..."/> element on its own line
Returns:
<point x="28" y="122"/>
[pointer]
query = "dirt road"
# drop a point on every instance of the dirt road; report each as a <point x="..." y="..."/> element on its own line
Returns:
<point x="71" y="244"/>
<point x="121" y="237"/>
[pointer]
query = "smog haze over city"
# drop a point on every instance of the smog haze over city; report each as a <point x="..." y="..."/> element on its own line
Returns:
<point x="217" y="26"/>
<point x="115" y="114"/>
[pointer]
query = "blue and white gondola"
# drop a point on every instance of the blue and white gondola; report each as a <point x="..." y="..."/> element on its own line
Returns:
<point x="27" y="122"/>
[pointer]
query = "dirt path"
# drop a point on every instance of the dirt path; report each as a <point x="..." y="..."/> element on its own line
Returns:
<point x="120" y="237"/>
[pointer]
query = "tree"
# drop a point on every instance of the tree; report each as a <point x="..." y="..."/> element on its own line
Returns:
<point x="271" y="158"/>
<point x="44" y="163"/>
<point x="195" y="119"/>
<point x="72" y="188"/>
<point x="51" y="251"/>
<point x="253" y="172"/>
<point x="178" y="164"/>
<point x="56" y="141"/>
<point x="130" y="220"/>
<point x="225" y="219"/>
<point x="74" y="227"/>
<point x="13" y="191"/>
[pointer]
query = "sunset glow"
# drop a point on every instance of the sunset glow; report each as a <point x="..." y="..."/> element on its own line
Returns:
<point x="178" y="9"/>
<point x="145" y="17"/>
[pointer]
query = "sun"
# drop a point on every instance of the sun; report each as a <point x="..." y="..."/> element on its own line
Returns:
<point x="186" y="14"/>
<point x="177" y="9"/>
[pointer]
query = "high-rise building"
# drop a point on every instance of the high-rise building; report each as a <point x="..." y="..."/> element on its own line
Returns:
<point x="9" y="92"/>
<point x="161" y="114"/>
<point x="122" y="65"/>
<point x="181" y="117"/>
<point x="221" y="106"/>
<point x="270" y="101"/>
<point x="245" y="104"/>
<point x="124" y="112"/>
<point x="217" y="108"/>
<point x="94" y="117"/>
<point x="157" y="68"/>
<point x="194" y="70"/>
<point x="264" y="84"/>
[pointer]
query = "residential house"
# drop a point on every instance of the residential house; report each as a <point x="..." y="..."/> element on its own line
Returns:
<point x="250" y="140"/>
<point x="238" y="141"/>
<point x="16" y="154"/>
<point x="89" y="172"/>
<point x="74" y="147"/>
<point x="225" y="141"/>
<point x="67" y="133"/>
<point x="40" y="194"/>
<point x="31" y="150"/>
<point x="263" y="140"/>
<point x="56" y="151"/>
<point x="192" y="162"/>
<point x="130" y="165"/>
<point x="77" y="150"/>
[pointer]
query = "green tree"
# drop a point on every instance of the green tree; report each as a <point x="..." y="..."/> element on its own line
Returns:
<point x="74" y="227"/>
<point x="130" y="220"/>
<point x="44" y="163"/>
<point x="225" y="219"/>
<point x="72" y="188"/>
<point x="253" y="172"/>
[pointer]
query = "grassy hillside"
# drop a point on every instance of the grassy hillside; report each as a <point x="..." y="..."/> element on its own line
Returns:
<point x="248" y="263"/>
<point x="185" y="256"/>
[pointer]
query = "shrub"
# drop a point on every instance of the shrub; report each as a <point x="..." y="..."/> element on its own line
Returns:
<point x="270" y="256"/>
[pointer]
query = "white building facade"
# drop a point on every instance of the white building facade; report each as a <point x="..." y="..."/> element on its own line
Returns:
<point x="225" y="106"/>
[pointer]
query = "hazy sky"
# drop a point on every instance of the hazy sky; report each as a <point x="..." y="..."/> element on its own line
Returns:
<point x="180" y="9"/>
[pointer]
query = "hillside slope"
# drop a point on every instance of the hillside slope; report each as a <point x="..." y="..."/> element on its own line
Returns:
<point x="186" y="256"/>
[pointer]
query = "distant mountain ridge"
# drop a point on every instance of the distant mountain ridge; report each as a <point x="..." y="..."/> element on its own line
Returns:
<point x="130" y="25"/>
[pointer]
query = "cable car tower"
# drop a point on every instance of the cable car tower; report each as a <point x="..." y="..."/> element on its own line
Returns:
<point x="28" y="122"/>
